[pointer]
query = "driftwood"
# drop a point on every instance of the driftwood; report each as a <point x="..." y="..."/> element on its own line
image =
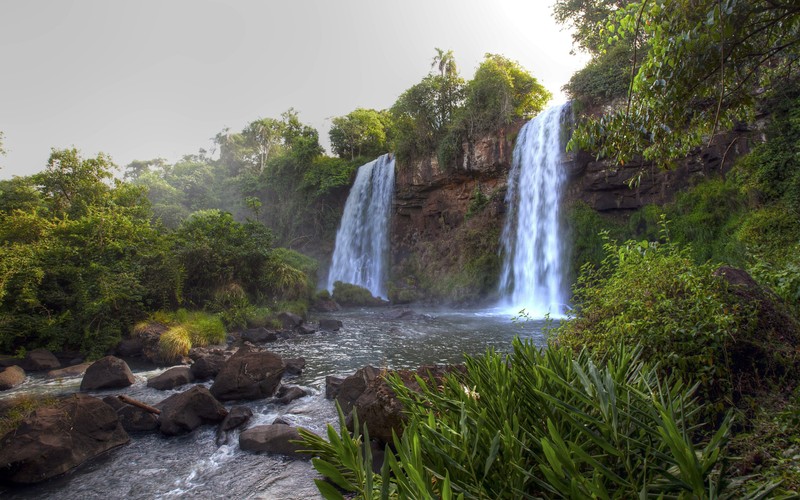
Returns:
<point x="138" y="404"/>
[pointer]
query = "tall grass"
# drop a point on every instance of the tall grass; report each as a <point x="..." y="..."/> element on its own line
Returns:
<point x="187" y="329"/>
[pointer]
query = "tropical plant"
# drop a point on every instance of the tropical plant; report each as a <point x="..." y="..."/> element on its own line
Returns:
<point x="536" y="424"/>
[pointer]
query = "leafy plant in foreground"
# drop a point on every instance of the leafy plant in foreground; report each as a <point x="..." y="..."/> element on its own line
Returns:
<point x="537" y="424"/>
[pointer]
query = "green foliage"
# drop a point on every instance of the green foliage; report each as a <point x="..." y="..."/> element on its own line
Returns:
<point x="349" y="295"/>
<point x="187" y="329"/>
<point x="605" y="78"/>
<point x="77" y="269"/>
<point x="501" y="92"/>
<point x="586" y="229"/>
<point x="477" y="202"/>
<point x="326" y="174"/>
<point x="537" y="424"/>
<point x="655" y="295"/>
<point x="588" y="19"/>
<point x="702" y="63"/>
<point x="291" y="274"/>
<point x="362" y="132"/>
<point x="215" y="250"/>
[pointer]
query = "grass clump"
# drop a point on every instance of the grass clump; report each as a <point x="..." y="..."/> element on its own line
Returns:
<point x="536" y="424"/>
<point x="16" y="409"/>
<point x="185" y="329"/>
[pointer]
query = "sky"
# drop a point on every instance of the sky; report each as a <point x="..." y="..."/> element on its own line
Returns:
<point x="149" y="79"/>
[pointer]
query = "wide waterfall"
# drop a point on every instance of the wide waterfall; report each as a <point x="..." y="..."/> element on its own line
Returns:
<point x="533" y="271"/>
<point x="362" y="241"/>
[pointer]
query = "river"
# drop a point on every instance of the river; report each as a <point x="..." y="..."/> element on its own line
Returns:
<point x="193" y="466"/>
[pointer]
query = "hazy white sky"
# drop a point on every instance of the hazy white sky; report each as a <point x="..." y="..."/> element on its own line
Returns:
<point x="158" y="78"/>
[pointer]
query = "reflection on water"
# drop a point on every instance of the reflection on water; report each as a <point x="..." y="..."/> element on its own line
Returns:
<point x="193" y="466"/>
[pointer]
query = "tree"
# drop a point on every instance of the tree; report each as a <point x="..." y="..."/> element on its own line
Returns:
<point x="446" y="63"/>
<point x="360" y="132"/>
<point x="588" y="19"/>
<point x="70" y="184"/>
<point x="264" y="136"/>
<point x="702" y="65"/>
<point x="500" y="92"/>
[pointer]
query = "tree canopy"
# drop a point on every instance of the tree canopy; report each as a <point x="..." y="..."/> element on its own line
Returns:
<point x="701" y="65"/>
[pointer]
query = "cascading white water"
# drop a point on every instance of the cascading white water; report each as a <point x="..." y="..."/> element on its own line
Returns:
<point x="533" y="274"/>
<point x="362" y="241"/>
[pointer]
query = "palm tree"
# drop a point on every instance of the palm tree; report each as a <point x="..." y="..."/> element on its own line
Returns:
<point x="446" y="62"/>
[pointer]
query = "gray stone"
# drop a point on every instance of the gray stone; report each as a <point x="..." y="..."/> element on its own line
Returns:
<point x="172" y="378"/>
<point x="249" y="374"/>
<point x="272" y="439"/>
<point x="184" y="412"/>
<point x="107" y="373"/>
<point x="11" y="377"/>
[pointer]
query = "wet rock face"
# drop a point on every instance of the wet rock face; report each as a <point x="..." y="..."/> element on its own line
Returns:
<point x="606" y="186"/>
<point x="107" y="373"/>
<point x="184" y="412"/>
<point x="249" y="374"/>
<point x="58" y="438"/>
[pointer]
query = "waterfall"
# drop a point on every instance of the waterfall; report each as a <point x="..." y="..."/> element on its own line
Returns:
<point x="533" y="273"/>
<point x="362" y="241"/>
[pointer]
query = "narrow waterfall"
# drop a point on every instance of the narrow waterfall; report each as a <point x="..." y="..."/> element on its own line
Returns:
<point x="362" y="241"/>
<point x="533" y="273"/>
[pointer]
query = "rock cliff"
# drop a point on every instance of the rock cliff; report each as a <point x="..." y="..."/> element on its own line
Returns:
<point x="447" y="220"/>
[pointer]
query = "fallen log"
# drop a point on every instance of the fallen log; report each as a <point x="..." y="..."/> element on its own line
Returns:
<point x="138" y="404"/>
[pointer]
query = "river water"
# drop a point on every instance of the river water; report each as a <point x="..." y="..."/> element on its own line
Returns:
<point x="193" y="466"/>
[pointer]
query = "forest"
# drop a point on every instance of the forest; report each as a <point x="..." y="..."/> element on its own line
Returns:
<point x="675" y="372"/>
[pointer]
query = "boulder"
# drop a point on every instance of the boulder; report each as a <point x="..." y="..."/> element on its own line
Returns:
<point x="401" y="313"/>
<point x="238" y="416"/>
<point x="325" y="305"/>
<point x="172" y="378"/>
<point x="132" y="418"/>
<point x="259" y="336"/>
<point x="11" y="377"/>
<point x="288" y="394"/>
<point x="377" y="406"/>
<point x="272" y="438"/>
<point x="40" y="360"/>
<point x="55" y="439"/>
<point x="149" y="335"/>
<point x="130" y="348"/>
<point x="305" y="329"/>
<point x="70" y="371"/>
<point x="249" y="374"/>
<point x="354" y="386"/>
<point x="330" y="325"/>
<point x="290" y="320"/>
<point x="294" y="366"/>
<point x="184" y="412"/>
<point x="107" y="373"/>
<point x="208" y="366"/>
<point x="6" y="361"/>
<point x="332" y="386"/>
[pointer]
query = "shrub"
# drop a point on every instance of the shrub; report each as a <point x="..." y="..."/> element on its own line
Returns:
<point x="187" y="329"/>
<point x="350" y="295"/>
<point x="531" y="425"/>
<point x="655" y="295"/>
